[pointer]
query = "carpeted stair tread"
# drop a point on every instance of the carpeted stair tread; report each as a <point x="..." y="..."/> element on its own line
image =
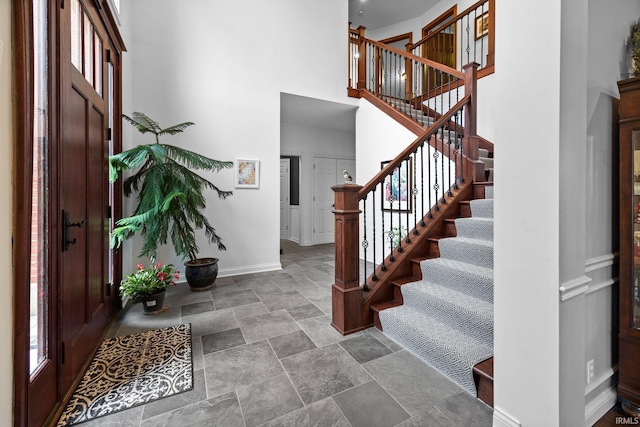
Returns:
<point x="476" y="228"/>
<point x="482" y="152"/>
<point x="470" y="315"/>
<point x="440" y="345"/>
<point x="475" y="280"/>
<point x="473" y="251"/>
<point x="482" y="208"/>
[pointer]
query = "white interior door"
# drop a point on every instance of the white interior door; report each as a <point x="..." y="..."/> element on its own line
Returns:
<point x="324" y="177"/>
<point x="284" y="198"/>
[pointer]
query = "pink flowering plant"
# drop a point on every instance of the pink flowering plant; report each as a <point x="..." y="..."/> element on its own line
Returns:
<point x="149" y="280"/>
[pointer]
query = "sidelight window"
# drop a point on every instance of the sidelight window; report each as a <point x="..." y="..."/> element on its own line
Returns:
<point x="38" y="292"/>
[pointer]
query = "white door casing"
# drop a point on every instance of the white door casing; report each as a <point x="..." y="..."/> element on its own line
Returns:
<point x="284" y="198"/>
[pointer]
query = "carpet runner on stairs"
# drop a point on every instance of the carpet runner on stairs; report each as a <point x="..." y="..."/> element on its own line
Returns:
<point x="447" y="317"/>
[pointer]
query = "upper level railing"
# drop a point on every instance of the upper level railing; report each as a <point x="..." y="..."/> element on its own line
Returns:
<point x="461" y="39"/>
<point x="466" y="37"/>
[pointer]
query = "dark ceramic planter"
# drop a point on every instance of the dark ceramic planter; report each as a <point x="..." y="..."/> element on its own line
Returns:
<point x="153" y="303"/>
<point x="201" y="274"/>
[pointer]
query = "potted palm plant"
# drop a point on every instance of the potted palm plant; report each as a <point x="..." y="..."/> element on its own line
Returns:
<point x="170" y="199"/>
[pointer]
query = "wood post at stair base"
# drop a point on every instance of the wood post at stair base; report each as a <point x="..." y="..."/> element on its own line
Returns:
<point x="347" y="296"/>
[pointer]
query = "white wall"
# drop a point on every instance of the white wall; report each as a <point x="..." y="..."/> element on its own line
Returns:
<point x="308" y="142"/>
<point x="6" y="214"/>
<point x="606" y="63"/>
<point x="526" y="235"/>
<point x="223" y="66"/>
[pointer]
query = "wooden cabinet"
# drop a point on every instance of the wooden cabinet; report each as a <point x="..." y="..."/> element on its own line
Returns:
<point x="629" y="336"/>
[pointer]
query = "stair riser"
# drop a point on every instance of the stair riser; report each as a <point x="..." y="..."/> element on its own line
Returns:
<point x="416" y="270"/>
<point x="434" y="248"/>
<point x="465" y="210"/>
<point x="450" y="230"/>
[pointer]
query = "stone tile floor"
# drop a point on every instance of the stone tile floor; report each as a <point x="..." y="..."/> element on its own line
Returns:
<point x="265" y="354"/>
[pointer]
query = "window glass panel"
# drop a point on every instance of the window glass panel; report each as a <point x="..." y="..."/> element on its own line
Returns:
<point x="98" y="64"/>
<point x="88" y="49"/>
<point x="76" y="34"/>
<point x="38" y="291"/>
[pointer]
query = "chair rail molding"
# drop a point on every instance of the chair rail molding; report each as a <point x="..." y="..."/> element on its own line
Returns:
<point x="574" y="288"/>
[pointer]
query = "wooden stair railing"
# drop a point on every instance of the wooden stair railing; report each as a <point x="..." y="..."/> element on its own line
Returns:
<point x="351" y="299"/>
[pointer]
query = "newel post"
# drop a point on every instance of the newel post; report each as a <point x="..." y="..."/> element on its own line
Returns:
<point x="347" y="296"/>
<point x="474" y="167"/>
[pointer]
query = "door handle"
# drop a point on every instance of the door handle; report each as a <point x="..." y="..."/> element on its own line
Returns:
<point x="65" y="230"/>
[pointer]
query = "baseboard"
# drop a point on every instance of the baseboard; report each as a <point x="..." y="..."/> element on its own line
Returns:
<point x="605" y="376"/>
<point x="502" y="419"/>
<point x="249" y="269"/>
<point x="599" y="406"/>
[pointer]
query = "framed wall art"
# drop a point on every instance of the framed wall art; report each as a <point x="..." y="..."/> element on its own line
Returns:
<point x="247" y="173"/>
<point x="482" y="25"/>
<point x="396" y="194"/>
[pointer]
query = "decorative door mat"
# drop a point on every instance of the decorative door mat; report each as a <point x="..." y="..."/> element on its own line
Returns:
<point x="133" y="370"/>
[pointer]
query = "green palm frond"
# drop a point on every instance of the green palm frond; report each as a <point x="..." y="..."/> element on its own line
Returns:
<point x="172" y="130"/>
<point x="170" y="194"/>
<point x="143" y="123"/>
<point x="195" y="160"/>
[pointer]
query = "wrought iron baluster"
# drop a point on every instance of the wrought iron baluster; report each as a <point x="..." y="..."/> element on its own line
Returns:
<point x="399" y="189"/>
<point x="468" y="39"/>
<point x="436" y="186"/>
<point x="391" y="234"/>
<point x="414" y="193"/>
<point x="384" y="267"/>
<point x="422" y="223"/>
<point x="373" y="209"/>
<point x="365" y="243"/>
<point x="455" y="153"/>
<point x="443" y="200"/>
<point x="461" y="147"/>
<point x="409" y="190"/>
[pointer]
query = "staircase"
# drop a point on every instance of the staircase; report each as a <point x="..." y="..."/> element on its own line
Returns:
<point x="430" y="290"/>
<point x="444" y="313"/>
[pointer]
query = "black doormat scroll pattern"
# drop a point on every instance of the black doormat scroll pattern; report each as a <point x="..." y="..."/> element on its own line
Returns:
<point x="133" y="370"/>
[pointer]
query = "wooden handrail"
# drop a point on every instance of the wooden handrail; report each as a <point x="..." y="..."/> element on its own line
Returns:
<point x="393" y="164"/>
<point x="408" y="55"/>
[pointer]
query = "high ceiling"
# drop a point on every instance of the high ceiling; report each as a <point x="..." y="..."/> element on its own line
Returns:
<point x="380" y="13"/>
<point x="375" y="14"/>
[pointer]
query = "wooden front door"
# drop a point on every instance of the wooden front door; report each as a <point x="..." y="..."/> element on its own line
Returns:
<point x="85" y="298"/>
<point x="68" y="57"/>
